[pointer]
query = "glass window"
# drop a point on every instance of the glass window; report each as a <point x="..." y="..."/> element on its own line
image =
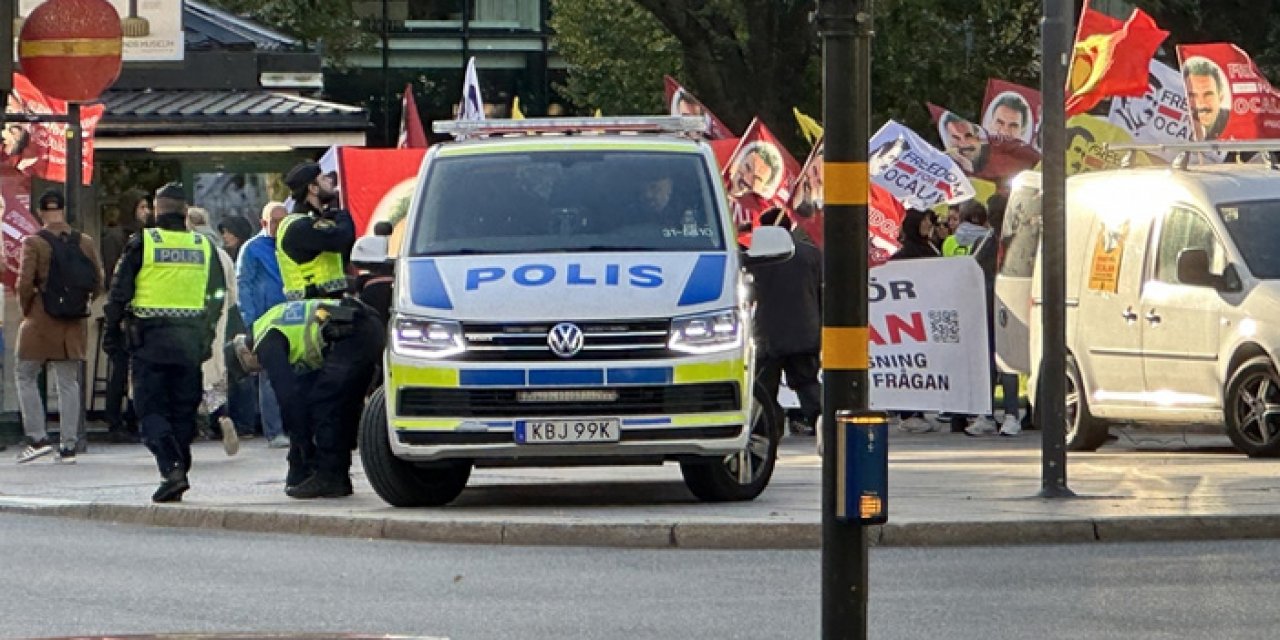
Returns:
<point x="1253" y="225"/>
<point x="506" y="14"/>
<point x="568" y="201"/>
<point x="436" y="10"/>
<point x="1186" y="229"/>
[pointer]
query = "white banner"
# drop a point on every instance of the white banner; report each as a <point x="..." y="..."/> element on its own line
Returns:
<point x="928" y="334"/>
<point x="152" y="33"/>
<point x="1162" y="116"/>
<point x="913" y="170"/>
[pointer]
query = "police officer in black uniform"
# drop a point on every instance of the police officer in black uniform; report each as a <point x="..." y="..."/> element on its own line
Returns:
<point x="313" y="246"/>
<point x="164" y="303"/>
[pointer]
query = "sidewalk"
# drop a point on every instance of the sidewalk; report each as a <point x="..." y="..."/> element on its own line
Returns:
<point x="945" y="489"/>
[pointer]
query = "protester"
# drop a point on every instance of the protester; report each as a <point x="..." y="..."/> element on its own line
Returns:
<point x="59" y="276"/>
<point x="169" y="310"/>
<point x="917" y="228"/>
<point x="788" y="326"/>
<point x="261" y="288"/>
<point x="216" y="401"/>
<point x="235" y="231"/>
<point x="1011" y="425"/>
<point x="198" y="221"/>
<point x="122" y="423"/>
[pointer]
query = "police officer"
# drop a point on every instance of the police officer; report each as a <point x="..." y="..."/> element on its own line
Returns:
<point x="313" y="245"/>
<point x="162" y="309"/>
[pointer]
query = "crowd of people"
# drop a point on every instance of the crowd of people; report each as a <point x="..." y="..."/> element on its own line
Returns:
<point x="240" y="331"/>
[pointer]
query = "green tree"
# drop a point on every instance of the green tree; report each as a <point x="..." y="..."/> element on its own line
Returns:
<point x="330" y="26"/>
<point x="1244" y="23"/>
<point x="619" y="54"/>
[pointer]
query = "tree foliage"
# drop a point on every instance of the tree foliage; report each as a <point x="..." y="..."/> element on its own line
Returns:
<point x="619" y="54"/>
<point x="1245" y="23"/>
<point x="332" y="27"/>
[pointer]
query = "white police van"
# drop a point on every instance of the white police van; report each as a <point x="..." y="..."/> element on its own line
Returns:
<point x="570" y="292"/>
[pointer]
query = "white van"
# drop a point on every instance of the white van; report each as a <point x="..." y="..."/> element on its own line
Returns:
<point x="1173" y="299"/>
<point x="570" y="292"/>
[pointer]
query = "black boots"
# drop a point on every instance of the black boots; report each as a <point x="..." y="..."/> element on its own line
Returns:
<point x="171" y="489"/>
<point x="320" y="485"/>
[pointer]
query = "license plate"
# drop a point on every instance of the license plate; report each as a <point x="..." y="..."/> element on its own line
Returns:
<point x="556" y="431"/>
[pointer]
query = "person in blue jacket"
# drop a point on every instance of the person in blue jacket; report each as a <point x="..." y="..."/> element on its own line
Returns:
<point x="261" y="287"/>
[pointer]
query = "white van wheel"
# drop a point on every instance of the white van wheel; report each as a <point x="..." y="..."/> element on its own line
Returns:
<point x="400" y="483"/>
<point x="1084" y="432"/>
<point x="742" y="475"/>
<point x="1253" y="408"/>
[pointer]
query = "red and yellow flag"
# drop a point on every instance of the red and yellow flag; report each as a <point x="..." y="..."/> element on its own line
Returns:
<point x="1111" y="58"/>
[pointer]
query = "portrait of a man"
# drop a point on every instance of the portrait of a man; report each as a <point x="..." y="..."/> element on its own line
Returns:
<point x="1009" y="115"/>
<point x="1208" y="97"/>
<point x="758" y="170"/>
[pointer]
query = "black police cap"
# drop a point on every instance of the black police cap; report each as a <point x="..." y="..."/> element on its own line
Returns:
<point x="302" y="175"/>
<point x="172" y="191"/>
<point x="51" y="199"/>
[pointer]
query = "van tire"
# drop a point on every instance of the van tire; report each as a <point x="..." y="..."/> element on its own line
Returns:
<point x="715" y="478"/>
<point x="400" y="483"/>
<point x="1247" y="433"/>
<point x="1084" y="432"/>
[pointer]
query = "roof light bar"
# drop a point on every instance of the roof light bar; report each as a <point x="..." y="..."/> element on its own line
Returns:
<point x="532" y="126"/>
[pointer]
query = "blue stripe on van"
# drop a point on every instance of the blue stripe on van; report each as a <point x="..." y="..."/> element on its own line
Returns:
<point x="491" y="377"/>
<point x="706" y="282"/>
<point x="560" y="377"/>
<point x="640" y="375"/>
<point x="426" y="287"/>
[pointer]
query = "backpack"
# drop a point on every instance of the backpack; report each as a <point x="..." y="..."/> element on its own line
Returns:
<point x="72" y="278"/>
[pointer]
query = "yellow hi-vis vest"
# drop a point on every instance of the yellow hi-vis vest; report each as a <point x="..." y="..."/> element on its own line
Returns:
<point x="324" y="272"/>
<point x="299" y="321"/>
<point x="174" y="275"/>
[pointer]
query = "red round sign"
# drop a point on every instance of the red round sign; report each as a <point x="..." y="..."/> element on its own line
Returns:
<point x="70" y="49"/>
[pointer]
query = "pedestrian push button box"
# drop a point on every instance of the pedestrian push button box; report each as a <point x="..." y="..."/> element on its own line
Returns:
<point x="862" y="467"/>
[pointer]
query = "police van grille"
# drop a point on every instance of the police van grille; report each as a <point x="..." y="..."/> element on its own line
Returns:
<point x="420" y="402"/>
<point x="602" y="340"/>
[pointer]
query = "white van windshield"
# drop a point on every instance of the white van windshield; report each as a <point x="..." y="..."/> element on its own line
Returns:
<point x="567" y="201"/>
<point x="1252" y="226"/>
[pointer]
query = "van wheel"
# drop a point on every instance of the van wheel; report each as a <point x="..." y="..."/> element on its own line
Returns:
<point x="1084" y="432"/>
<point x="745" y="474"/>
<point x="1253" y="408"/>
<point x="400" y="483"/>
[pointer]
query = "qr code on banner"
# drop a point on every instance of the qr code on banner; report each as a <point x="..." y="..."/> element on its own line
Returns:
<point x="944" y="326"/>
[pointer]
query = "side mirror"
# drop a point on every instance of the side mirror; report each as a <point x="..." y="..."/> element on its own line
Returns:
<point x="1193" y="269"/>
<point x="770" y="245"/>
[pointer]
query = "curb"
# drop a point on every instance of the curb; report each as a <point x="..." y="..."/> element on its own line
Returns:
<point x="658" y="535"/>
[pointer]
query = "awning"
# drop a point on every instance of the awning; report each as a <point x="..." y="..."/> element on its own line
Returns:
<point x="149" y="119"/>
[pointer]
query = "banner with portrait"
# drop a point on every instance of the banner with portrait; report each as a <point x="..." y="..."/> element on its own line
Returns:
<point x="40" y="149"/>
<point x="16" y="221"/>
<point x="981" y="154"/>
<point x="759" y="175"/>
<point x="1228" y="97"/>
<point x="1159" y="117"/>
<point x="682" y="102"/>
<point x="913" y="171"/>
<point x="1012" y="110"/>
<point x="1088" y="140"/>
<point x="928" y="334"/>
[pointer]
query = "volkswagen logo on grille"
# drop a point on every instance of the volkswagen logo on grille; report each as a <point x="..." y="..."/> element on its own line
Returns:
<point x="565" y="339"/>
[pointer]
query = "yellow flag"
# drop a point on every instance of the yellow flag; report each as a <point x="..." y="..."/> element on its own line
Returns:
<point x="597" y="114"/>
<point x="808" y="126"/>
<point x="516" y="113"/>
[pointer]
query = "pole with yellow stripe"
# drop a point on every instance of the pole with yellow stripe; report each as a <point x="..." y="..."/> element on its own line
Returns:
<point x="845" y="28"/>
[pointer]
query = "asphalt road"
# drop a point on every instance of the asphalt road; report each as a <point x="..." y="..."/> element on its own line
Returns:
<point x="67" y="577"/>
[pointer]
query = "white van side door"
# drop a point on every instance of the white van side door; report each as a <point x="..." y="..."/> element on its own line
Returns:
<point x="1181" y="322"/>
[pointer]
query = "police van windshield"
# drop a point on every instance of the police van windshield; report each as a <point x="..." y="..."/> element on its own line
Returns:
<point x="567" y="201"/>
<point x="1252" y="226"/>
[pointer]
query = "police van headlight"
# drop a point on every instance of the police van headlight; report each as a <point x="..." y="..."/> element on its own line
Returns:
<point x="427" y="337"/>
<point x="707" y="332"/>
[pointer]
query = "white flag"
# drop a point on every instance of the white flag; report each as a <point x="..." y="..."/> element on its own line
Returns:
<point x="915" y="172"/>
<point x="472" y="104"/>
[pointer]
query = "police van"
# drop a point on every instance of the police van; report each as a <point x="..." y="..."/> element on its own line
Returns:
<point x="570" y="292"/>
<point x="1173" y="288"/>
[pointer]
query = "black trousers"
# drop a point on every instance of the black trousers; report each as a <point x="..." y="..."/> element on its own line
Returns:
<point x="802" y="377"/>
<point x="321" y="409"/>
<point x="166" y="397"/>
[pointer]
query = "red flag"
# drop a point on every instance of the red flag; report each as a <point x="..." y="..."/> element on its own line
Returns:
<point x="377" y="183"/>
<point x="884" y="212"/>
<point x="1111" y="58"/>
<point x="17" y="221"/>
<point x="760" y="173"/>
<point x="1228" y="97"/>
<point x="980" y="154"/>
<point x="412" y="136"/>
<point x="683" y="103"/>
<point x="41" y="149"/>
